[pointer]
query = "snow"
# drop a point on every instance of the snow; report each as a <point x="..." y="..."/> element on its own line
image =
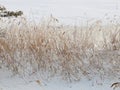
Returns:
<point x="65" y="10"/>
<point x="10" y="82"/>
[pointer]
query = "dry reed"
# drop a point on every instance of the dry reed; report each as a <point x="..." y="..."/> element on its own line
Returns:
<point x="70" y="52"/>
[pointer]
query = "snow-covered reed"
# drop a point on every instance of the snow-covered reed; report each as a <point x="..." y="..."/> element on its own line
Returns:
<point x="71" y="52"/>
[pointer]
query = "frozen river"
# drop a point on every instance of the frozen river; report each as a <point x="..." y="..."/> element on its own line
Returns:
<point x="65" y="9"/>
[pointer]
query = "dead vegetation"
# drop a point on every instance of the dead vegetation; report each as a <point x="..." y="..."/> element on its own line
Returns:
<point x="5" y="13"/>
<point x="71" y="52"/>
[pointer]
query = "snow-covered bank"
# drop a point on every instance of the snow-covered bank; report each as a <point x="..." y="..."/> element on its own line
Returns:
<point x="9" y="82"/>
<point x="84" y="57"/>
<point x="41" y="56"/>
<point x="68" y="11"/>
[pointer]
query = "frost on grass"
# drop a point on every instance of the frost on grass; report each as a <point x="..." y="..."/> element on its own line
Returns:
<point x="69" y="52"/>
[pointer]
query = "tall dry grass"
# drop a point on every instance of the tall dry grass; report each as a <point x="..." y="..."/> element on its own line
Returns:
<point x="71" y="52"/>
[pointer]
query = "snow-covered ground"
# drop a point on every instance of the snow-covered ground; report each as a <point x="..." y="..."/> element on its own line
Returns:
<point x="68" y="11"/>
<point x="9" y="82"/>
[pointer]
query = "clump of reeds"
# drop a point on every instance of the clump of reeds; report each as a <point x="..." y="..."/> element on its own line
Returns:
<point x="67" y="51"/>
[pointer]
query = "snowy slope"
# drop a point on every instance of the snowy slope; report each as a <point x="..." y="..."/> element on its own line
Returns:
<point x="66" y="10"/>
<point x="9" y="82"/>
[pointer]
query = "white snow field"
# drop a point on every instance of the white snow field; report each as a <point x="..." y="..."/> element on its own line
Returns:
<point x="69" y="11"/>
<point x="66" y="11"/>
<point x="9" y="82"/>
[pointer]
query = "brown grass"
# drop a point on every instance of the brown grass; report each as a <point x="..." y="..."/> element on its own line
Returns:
<point x="71" y="52"/>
